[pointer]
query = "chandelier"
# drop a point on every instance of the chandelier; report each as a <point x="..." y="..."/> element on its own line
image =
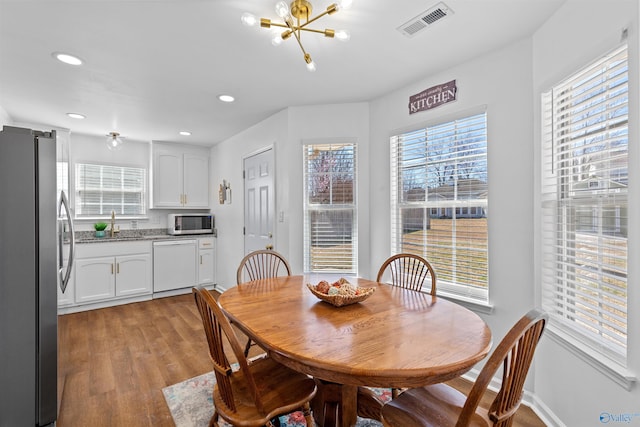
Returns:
<point x="295" y="19"/>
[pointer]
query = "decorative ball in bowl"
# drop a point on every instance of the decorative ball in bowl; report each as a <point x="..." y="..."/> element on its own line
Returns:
<point x="340" y="292"/>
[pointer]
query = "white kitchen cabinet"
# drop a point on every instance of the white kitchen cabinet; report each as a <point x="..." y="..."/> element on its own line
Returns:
<point x="206" y="261"/>
<point x="105" y="271"/>
<point x="96" y="279"/>
<point x="196" y="180"/>
<point x="180" y="176"/>
<point x="133" y="275"/>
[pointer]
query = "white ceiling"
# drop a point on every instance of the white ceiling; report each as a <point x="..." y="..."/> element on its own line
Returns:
<point x="155" y="67"/>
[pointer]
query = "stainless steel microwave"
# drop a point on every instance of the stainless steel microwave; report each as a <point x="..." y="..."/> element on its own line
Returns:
<point x="191" y="224"/>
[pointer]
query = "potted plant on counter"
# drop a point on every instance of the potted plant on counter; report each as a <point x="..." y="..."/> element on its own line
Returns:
<point x="100" y="227"/>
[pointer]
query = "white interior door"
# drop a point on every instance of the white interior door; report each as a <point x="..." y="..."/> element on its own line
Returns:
<point x="259" y="201"/>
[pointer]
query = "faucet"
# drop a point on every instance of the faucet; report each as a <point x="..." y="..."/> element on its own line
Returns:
<point x="113" y="223"/>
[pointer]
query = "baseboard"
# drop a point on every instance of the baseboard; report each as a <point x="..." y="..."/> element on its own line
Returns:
<point x="529" y="399"/>
<point x="545" y="414"/>
<point x="219" y="288"/>
<point x="102" y="304"/>
<point x="171" y="293"/>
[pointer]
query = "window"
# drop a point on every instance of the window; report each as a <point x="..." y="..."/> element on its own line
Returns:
<point x="101" y="189"/>
<point x="584" y="205"/>
<point x="439" y="196"/>
<point x="330" y="215"/>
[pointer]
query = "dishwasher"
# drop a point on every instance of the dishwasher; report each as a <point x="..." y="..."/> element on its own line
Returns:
<point x="174" y="264"/>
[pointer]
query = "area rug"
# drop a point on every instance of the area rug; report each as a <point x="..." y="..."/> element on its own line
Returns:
<point x="191" y="404"/>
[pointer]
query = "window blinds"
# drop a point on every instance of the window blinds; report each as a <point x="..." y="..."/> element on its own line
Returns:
<point x="101" y="189"/>
<point x="330" y="215"/>
<point x="439" y="199"/>
<point x="584" y="204"/>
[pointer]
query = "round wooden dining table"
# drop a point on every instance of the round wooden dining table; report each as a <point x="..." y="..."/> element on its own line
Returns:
<point x="396" y="338"/>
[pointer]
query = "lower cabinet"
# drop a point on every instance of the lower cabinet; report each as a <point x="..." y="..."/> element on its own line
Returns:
<point x="111" y="273"/>
<point x="111" y="270"/>
<point x="109" y="277"/>
<point x="206" y="261"/>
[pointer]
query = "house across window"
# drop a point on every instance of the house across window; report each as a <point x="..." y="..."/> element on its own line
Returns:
<point x="439" y="202"/>
<point x="102" y="189"/>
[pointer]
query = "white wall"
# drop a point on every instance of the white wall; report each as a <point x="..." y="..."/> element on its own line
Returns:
<point x="285" y="131"/>
<point x="501" y="83"/>
<point x="312" y="124"/>
<point x="579" y="33"/>
<point x="227" y="161"/>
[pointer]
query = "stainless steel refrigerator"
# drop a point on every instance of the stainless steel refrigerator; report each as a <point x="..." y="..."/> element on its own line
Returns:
<point x="30" y="273"/>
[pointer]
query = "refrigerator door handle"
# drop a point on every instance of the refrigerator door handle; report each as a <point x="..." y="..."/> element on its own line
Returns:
<point x="65" y="275"/>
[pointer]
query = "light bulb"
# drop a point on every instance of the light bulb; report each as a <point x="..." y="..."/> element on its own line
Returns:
<point x="344" y="4"/>
<point x="114" y="142"/>
<point x="282" y="9"/>
<point x="248" y="19"/>
<point x="277" y="39"/>
<point x="311" y="66"/>
<point x="343" y="35"/>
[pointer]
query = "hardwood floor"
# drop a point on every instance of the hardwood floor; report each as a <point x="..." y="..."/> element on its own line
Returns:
<point x="114" y="362"/>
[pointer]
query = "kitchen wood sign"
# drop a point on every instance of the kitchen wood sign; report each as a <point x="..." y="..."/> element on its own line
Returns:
<point x="433" y="97"/>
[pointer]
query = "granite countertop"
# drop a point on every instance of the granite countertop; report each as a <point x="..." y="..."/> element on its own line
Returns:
<point x="133" y="235"/>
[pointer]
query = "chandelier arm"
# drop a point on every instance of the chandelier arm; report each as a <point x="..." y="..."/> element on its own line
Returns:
<point x="275" y="24"/>
<point x="314" y="19"/>
<point x="293" y="29"/>
<point x="299" y="42"/>
<point x="311" y="30"/>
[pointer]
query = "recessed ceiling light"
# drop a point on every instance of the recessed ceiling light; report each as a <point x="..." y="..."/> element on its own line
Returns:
<point x="226" y="98"/>
<point x="185" y="133"/>
<point x="66" y="58"/>
<point x="76" y="115"/>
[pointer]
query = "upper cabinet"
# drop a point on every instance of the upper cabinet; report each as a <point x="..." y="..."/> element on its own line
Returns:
<point x="179" y="176"/>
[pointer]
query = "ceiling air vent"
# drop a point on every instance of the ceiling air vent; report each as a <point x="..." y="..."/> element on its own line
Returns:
<point x="425" y="19"/>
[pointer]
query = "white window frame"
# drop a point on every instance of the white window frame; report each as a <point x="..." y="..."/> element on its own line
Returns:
<point x="579" y="175"/>
<point x="101" y="189"/>
<point x="457" y="282"/>
<point x="346" y="261"/>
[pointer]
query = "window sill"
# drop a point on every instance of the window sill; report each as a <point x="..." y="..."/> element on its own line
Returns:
<point x="471" y="304"/>
<point x="610" y="368"/>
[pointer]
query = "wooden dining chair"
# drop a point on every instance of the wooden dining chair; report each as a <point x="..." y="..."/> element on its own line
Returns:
<point x="441" y="405"/>
<point x="408" y="271"/>
<point x="261" y="264"/>
<point x="260" y="389"/>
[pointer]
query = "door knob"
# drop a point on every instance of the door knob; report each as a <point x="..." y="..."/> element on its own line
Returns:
<point x="269" y="247"/>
